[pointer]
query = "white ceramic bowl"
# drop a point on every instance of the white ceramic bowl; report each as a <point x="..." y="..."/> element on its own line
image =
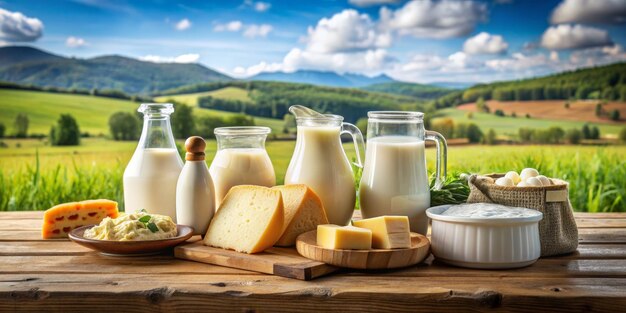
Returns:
<point x="488" y="243"/>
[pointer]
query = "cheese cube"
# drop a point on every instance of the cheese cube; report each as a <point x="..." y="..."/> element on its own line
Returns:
<point x="303" y="212"/>
<point x="250" y="219"/>
<point x="61" y="219"/>
<point x="343" y="237"/>
<point x="388" y="232"/>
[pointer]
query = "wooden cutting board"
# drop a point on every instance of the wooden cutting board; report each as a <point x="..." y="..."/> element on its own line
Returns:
<point x="285" y="262"/>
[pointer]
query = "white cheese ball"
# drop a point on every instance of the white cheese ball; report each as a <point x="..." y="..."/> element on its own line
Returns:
<point x="533" y="181"/>
<point x="512" y="175"/>
<point x="504" y="181"/>
<point x="544" y="180"/>
<point x="527" y="173"/>
<point x="522" y="184"/>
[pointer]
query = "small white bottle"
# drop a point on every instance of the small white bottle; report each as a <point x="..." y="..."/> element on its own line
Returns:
<point x="195" y="193"/>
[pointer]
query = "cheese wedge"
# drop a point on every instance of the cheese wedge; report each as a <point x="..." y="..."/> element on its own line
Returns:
<point x="388" y="232"/>
<point x="60" y="219"/>
<point x="343" y="237"/>
<point x="250" y="219"/>
<point x="303" y="212"/>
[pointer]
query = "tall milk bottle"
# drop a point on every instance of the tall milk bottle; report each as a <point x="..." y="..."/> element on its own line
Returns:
<point x="241" y="159"/>
<point x="151" y="175"/>
<point x="395" y="180"/>
<point x="320" y="162"/>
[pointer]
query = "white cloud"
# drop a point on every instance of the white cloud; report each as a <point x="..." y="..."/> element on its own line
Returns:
<point x="369" y="3"/>
<point x="346" y="31"/>
<point x="485" y="43"/>
<point x="565" y="36"/>
<point x="370" y="61"/>
<point x="183" y="58"/>
<point x="254" y="30"/>
<point x="554" y="56"/>
<point x="597" y="56"/>
<point x="183" y="24"/>
<point x="518" y="61"/>
<point x="16" y="27"/>
<point x="232" y="26"/>
<point x="590" y="11"/>
<point x="262" y="6"/>
<point x="434" y="19"/>
<point x="75" y="42"/>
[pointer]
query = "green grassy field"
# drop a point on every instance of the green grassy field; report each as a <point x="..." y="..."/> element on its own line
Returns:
<point x="597" y="175"/>
<point x="508" y="126"/>
<point x="231" y="93"/>
<point x="92" y="113"/>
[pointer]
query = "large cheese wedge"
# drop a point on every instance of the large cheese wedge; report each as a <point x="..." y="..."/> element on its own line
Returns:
<point x="60" y="219"/>
<point x="303" y="212"/>
<point x="250" y="219"/>
<point x="388" y="232"/>
<point x="343" y="237"/>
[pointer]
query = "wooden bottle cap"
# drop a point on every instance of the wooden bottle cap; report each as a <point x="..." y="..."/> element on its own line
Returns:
<point x="195" y="146"/>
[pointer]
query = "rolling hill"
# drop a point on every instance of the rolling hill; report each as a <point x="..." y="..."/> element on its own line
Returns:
<point x="92" y="113"/>
<point x="27" y="65"/>
<point x="272" y="99"/>
<point x="418" y="91"/>
<point x="322" y="78"/>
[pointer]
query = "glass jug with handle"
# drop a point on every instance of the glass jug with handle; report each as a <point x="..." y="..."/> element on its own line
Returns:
<point x="320" y="162"/>
<point x="395" y="179"/>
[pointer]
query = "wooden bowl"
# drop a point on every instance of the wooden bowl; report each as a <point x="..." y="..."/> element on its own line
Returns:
<point x="306" y="244"/>
<point x="130" y="248"/>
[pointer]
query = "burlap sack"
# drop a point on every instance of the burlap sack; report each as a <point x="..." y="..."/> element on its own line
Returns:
<point x="557" y="230"/>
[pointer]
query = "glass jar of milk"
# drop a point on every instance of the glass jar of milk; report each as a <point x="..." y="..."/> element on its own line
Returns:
<point x="395" y="180"/>
<point x="241" y="159"/>
<point x="151" y="175"/>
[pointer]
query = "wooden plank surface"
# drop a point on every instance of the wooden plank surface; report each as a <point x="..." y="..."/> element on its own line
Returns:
<point x="37" y="275"/>
<point x="285" y="262"/>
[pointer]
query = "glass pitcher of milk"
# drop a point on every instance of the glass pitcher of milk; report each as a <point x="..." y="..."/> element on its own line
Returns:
<point x="320" y="162"/>
<point x="151" y="175"/>
<point x="395" y="180"/>
<point x="241" y="159"/>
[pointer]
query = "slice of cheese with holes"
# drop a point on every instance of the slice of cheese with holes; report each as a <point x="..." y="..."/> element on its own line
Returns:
<point x="59" y="220"/>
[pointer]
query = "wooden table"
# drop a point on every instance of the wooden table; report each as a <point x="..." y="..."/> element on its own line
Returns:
<point x="58" y="275"/>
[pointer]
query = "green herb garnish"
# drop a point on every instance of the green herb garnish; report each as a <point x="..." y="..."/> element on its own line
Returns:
<point x="145" y="220"/>
<point x="455" y="190"/>
<point x="152" y="227"/>
<point x="143" y="211"/>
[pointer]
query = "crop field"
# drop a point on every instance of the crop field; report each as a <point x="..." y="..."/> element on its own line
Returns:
<point x="509" y="126"/>
<point x="581" y="110"/>
<point x="34" y="176"/>
<point x="92" y="113"/>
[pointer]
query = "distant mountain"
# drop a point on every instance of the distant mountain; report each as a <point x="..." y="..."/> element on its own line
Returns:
<point x="18" y="54"/>
<point x="322" y="78"/>
<point x="418" y="91"/>
<point x="132" y="76"/>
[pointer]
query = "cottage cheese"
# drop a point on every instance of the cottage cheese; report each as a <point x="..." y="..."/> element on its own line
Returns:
<point x="489" y="210"/>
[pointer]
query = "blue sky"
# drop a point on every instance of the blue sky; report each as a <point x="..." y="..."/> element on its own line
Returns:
<point x="419" y="40"/>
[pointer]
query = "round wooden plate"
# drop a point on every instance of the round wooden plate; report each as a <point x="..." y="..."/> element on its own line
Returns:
<point x="306" y="245"/>
<point x="130" y="248"/>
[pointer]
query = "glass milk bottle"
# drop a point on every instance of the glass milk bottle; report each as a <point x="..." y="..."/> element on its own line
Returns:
<point x="151" y="175"/>
<point x="241" y="159"/>
<point x="395" y="180"/>
<point x="320" y="162"/>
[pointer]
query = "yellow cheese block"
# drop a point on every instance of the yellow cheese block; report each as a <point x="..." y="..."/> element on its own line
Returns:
<point x="388" y="232"/>
<point x="303" y="212"/>
<point x="344" y="237"/>
<point x="250" y="219"/>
